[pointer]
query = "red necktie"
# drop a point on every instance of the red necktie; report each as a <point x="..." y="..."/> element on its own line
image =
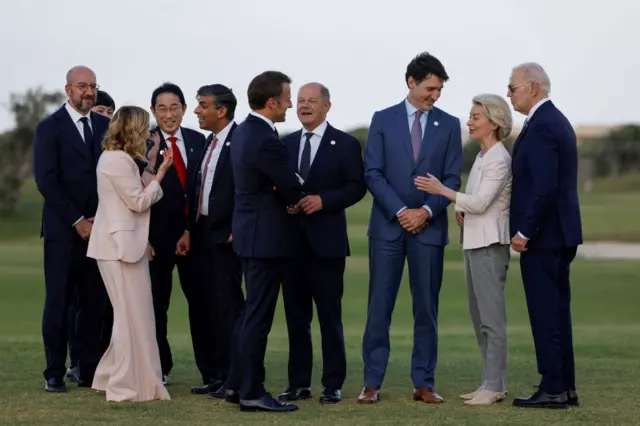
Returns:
<point x="204" y="175"/>
<point x="178" y="162"/>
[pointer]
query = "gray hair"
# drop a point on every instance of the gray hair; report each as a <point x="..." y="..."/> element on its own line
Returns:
<point x="324" y="92"/>
<point x="535" y="72"/>
<point x="497" y="111"/>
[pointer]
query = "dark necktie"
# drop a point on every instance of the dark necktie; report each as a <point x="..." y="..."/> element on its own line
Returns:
<point x="86" y="131"/>
<point x="276" y="132"/>
<point x="305" y="160"/>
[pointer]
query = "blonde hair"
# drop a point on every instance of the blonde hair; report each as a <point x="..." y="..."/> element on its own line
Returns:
<point x="128" y="131"/>
<point x="497" y="112"/>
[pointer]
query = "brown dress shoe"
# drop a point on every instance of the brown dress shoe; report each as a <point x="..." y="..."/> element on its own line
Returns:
<point x="369" y="396"/>
<point x="427" y="395"/>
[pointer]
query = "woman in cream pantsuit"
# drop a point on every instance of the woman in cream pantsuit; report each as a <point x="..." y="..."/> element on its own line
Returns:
<point x="483" y="213"/>
<point x="130" y="368"/>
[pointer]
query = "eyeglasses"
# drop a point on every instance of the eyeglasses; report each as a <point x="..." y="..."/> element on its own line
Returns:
<point x="84" y="86"/>
<point x="512" y="89"/>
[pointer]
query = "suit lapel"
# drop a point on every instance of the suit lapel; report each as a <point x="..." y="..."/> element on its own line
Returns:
<point x="294" y="149"/>
<point x="224" y="155"/>
<point x="322" y="153"/>
<point x="163" y="146"/>
<point x="404" y="135"/>
<point x="189" y="147"/>
<point x="97" y="141"/>
<point x="523" y="132"/>
<point x="430" y="133"/>
<point x="71" y="130"/>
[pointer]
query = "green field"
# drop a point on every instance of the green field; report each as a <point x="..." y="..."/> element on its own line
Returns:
<point x="606" y="330"/>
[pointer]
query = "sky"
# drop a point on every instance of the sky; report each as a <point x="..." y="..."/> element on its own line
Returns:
<point x="358" y="48"/>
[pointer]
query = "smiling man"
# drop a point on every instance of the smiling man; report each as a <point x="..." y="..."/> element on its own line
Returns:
<point x="169" y="215"/>
<point x="330" y="163"/>
<point x="409" y="139"/>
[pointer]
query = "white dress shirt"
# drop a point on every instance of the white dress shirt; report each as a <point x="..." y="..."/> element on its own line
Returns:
<point x="269" y="122"/>
<point x="531" y="112"/>
<point x="318" y="133"/>
<point x="210" y="170"/>
<point x="76" y="116"/>
<point x="179" y="141"/>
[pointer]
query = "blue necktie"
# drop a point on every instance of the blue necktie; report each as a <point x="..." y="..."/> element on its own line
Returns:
<point x="305" y="160"/>
<point x="88" y="136"/>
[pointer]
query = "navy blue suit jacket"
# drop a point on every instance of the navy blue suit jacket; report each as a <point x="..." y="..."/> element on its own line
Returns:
<point x="168" y="219"/>
<point x="544" y="198"/>
<point x="65" y="172"/>
<point x="265" y="184"/>
<point x="336" y="175"/>
<point x="390" y="171"/>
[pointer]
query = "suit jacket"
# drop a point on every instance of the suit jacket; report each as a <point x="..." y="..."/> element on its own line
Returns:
<point x="390" y="171"/>
<point x="486" y="200"/>
<point x="336" y="175"/>
<point x="168" y="218"/>
<point x="221" y="197"/>
<point x="544" y="203"/>
<point x="121" y="226"/>
<point x="65" y="172"/>
<point x="265" y="184"/>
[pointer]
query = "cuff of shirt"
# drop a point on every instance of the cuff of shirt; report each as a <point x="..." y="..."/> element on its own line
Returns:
<point x="522" y="236"/>
<point x="426" y="207"/>
<point x="77" y="221"/>
<point x="401" y="210"/>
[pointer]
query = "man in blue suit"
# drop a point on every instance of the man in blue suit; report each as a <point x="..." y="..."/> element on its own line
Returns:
<point x="67" y="147"/>
<point x="409" y="139"/>
<point x="330" y="163"/>
<point x="264" y="234"/>
<point x="546" y="229"/>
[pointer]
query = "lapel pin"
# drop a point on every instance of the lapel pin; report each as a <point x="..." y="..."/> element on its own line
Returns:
<point x="228" y="143"/>
<point x="332" y="142"/>
<point x="435" y="123"/>
<point x="191" y="150"/>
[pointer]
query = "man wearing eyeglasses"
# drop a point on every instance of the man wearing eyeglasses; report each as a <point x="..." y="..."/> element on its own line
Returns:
<point x="67" y="147"/>
<point x="546" y="230"/>
<point x="169" y="215"/>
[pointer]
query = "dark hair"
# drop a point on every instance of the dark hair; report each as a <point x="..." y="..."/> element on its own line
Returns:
<point x="424" y="65"/>
<point x="222" y="96"/>
<point x="167" y="88"/>
<point x="103" y="99"/>
<point x="264" y="87"/>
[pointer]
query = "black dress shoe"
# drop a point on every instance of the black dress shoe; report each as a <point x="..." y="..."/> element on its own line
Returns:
<point x="74" y="375"/>
<point x="55" y="385"/>
<point x="542" y="399"/>
<point x="295" y="394"/>
<point x="330" y="396"/>
<point x="572" y="398"/>
<point x="231" y="396"/>
<point x="207" y="389"/>
<point x="219" y="392"/>
<point x="267" y="403"/>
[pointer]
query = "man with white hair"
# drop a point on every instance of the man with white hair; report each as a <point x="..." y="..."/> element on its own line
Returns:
<point x="546" y="229"/>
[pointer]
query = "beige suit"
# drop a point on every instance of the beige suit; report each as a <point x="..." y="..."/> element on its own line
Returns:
<point x="130" y="368"/>
<point x="486" y="257"/>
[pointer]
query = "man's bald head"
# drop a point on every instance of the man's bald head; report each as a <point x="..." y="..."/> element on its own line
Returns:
<point x="81" y="88"/>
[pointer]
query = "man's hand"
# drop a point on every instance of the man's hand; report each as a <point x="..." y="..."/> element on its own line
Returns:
<point x="413" y="220"/>
<point x="230" y="239"/>
<point x="294" y="209"/>
<point x="150" y="252"/>
<point x="310" y="204"/>
<point x="460" y="219"/>
<point x="184" y="244"/>
<point x="83" y="228"/>
<point x="519" y="244"/>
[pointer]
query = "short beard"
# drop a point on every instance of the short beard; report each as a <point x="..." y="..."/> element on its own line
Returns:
<point x="80" y="107"/>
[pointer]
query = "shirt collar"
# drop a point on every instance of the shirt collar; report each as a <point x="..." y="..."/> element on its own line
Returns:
<point x="536" y="106"/>
<point x="269" y="122"/>
<point x="75" y="115"/>
<point x="222" y="135"/>
<point x="411" y="109"/>
<point x="178" y="135"/>
<point x="318" y="130"/>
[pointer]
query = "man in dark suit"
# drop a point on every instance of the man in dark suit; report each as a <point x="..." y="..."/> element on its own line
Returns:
<point x="546" y="229"/>
<point x="264" y="235"/>
<point x="67" y="147"/>
<point x="330" y="163"/>
<point x="169" y="215"/>
<point x="217" y="284"/>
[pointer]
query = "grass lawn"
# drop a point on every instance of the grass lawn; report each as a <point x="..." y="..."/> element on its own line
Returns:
<point x="606" y="329"/>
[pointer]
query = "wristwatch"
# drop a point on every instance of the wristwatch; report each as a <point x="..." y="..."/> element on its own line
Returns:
<point x="150" y="170"/>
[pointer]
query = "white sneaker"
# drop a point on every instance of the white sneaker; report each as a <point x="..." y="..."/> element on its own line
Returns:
<point x="486" y="397"/>
<point x="468" y="396"/>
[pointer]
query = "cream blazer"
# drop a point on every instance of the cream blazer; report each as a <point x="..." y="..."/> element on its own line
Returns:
<point x="485" y="202"/>
<point x="121" y="225"/>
